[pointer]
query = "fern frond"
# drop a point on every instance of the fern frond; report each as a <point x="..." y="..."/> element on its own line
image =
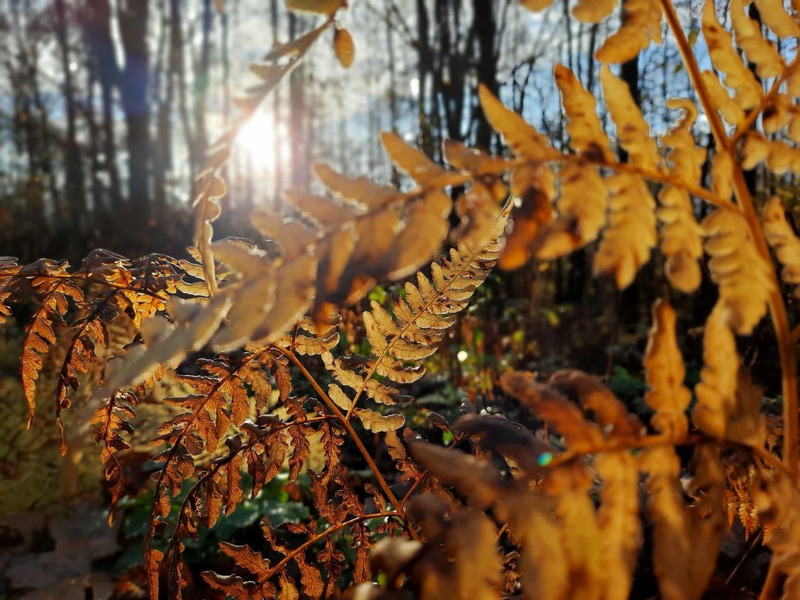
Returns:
<point x="111" y="421"/>
<point x="727" y="408"/>
<point x="681" y="241"/>
<point x="742" y="275"/>
<point x="665" y="372"/>
<point x="756" y="47"/>
<point x="641" y="25"/>
<point x="783" y="240"/>
<point x="400" y="341"/>
<point x="686" y="539"/>
<point x="53" y="289"/>
<point x="725" y="59"/>
<point x="586" y="134"/>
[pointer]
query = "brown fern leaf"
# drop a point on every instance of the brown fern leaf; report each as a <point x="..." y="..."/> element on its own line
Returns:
<point x="783" y="240"/>
<point x="728" y="406"/>
<point x="9" y="284"/>
<point x="53" y="288"/>
<point x="681" y="241"/>
<point x="111" y="422"/>
<point x="686" y="538"/>
<point x="727" y="60"/>
<point x="665" y="373"/>
<point x="641" y="25"/>
<point x="744" y="278"/>
<point x="401" y="340"/>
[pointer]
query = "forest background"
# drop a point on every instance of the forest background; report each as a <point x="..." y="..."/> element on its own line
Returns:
<point x="109" y="108"/>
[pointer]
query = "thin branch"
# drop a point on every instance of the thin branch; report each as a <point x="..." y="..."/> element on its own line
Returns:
<point x="352" y="433"/>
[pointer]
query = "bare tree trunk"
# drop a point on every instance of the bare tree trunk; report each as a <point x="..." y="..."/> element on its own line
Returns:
<point x="485" y="27"/>
<point x="74" y="188"/>
<point x="97" y="31"/>
<point x="133" y="86"/>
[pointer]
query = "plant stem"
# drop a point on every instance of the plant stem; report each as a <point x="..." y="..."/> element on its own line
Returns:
<point x="353" y="435"/>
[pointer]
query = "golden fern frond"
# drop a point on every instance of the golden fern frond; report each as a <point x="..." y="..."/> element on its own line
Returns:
<point x="681" y="242"/>
<point x="726" y="60"/>
<point x="686" y="539"/>
<point x="665" y="373"/>
<point x="418" y="324"/>
<point x="728" y="406"/>
<point x="783" y="241"/>
<point x="641" y="25"/>
<point x="757" y="48"/>
<point x="586" y="134"/>
<point x="210" y="188"/>
<point x="110" y="422"/>
<point x="742" y="275"/>
<point x="52" y="286"/>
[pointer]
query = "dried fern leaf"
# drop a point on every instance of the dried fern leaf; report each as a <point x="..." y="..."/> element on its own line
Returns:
<point x="471" y="541"/>
<point x="632" y="130"/>
<point x="725" y="104"/>
<point x="534" y="188"/>
<point x="681" y="242"/>
<point x="319" y="7"/>
<point x="756" y="47"/>
<point x="641" y="25"/>
<point x="724" y="409"/>
<point x="596" y="398"/>
<point x="515" y="443"/>
<point x="580" y="535"/>
<point x="586" y="134"/>
<point x="165" y="342"/>
<point x="618" y="522"/>
<point x="665" y="373"/>
<point x="725" y="59"/>
<point x="399" y="341"/>
<point x="555" y="409"/>
<point x="686" y="540"/>
<point x="743" y="277"/>
<point x="414" y="162"/>
<point x="521" y="137"/>
<point x="783" y="240"/>
<point x="581" y="212"/>
<point x="543" y="563"/>
<point x="775" y="16"/>
<point x="593" y="11"/>
<point x="626" y="243"/>
<point x="49" y="283"/>
<point x="478" y="480"/>
<point x="778" y="502"/>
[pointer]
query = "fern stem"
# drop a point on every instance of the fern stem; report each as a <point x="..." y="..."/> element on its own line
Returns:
<point x="321" y="536"/>
<point x="780" y="319"/>
<point x="745" y="126"/>
<point x="174" y="449"/>
<point x="353" y="435"/>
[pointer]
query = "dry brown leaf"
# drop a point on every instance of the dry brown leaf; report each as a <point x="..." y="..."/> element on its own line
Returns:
<point x="553" y="408"/>
<point x="783" y="240"/>
<point x="586" y="134"/>
<point x="665" y="373"/>
<point x="581" y="212"/>
<point x="727" y="60"/>
<point x="320" y="7"/>
<point x="343" y="47"/>
<point x="612" y="414"/>
<point x="641" y="25"/>
<point x="744" y="278"/>
<point x="681" y="243"/>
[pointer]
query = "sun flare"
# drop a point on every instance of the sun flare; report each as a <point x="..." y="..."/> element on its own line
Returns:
<point x="262" y="143"/>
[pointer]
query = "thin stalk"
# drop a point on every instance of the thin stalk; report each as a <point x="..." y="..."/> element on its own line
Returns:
<point x="353" y="435"/>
